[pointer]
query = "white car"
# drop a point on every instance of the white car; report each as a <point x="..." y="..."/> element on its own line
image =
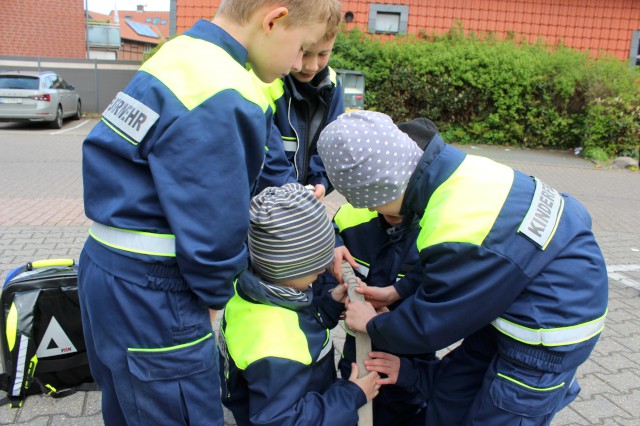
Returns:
<point x="37" y="96"/>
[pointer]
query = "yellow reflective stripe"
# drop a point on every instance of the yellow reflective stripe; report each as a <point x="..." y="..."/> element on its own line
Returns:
<point x="115" y="129"/>
<point x="217" y="71"/>
<point x="519" y="383"/>
<point x="12" y="327"/>
<point x="31" y="371"/>
<point x="254" y="331"/>
<point x="273" y="91"/>
<point x="333" y="76"/>
<point x="172" y="348"/>
<point x="465" y="207"/>
<point x="134" y="241"/>
<point x="326" y="346"/>
<point x="560" y="336"/>
<point x="46" y="263"/>
<point x="349" y="216"/>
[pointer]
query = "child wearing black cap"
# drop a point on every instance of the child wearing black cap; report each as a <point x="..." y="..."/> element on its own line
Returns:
<point x="275" y="344"/>
<point x="510" y="266"/>
<point x="383" y="253"/>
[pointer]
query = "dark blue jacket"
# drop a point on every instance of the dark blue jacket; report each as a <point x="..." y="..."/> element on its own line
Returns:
<point x="302" y="110"/>
<point x="167" y="159"/>
<point x="387" y="255"/>
<point x="277" y="364"/>
<point x="502" y="248"/>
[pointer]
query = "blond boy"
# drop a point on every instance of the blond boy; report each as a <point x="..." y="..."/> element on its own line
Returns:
<point x="167" y="178"/>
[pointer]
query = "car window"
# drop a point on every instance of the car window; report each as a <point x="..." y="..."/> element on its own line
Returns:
<point x="57" y="84"/>
<point x="19" y="82"/>
<point x="48" y="82"/>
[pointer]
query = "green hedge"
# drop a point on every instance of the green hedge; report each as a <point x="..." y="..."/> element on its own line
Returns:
<point x="500" y="91"/>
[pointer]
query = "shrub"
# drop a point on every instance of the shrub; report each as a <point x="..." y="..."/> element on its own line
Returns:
<point x="499" y="91"/>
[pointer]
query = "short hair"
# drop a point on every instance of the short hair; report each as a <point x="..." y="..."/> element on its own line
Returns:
<point x="301" y="12"/>
<point x="335" y="18"/>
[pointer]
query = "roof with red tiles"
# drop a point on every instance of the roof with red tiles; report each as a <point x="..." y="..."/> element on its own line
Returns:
<point x="127" y="32"/>
<point x="159" y="19"/>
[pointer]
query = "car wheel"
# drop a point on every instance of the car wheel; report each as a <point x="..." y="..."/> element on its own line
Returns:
<point x="57" y="122"/>
<point x="78" y="114"/>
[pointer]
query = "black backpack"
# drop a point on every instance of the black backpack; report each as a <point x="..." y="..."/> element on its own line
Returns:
<point x="43" y="348"/>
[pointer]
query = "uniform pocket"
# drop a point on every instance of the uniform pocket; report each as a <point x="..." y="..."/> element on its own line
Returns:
<point x="527" y="393"/>
<point x="168" y="382"/>
<point x="172" y="363"/>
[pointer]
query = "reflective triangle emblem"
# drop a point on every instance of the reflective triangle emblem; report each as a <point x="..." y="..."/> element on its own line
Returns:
<point x="55" y="341"/>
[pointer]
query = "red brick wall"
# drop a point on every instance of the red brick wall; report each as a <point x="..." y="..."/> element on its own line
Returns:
<point x="581" y="24"/>
<point x="46" y="28"/>
<point x="131" y="51"/>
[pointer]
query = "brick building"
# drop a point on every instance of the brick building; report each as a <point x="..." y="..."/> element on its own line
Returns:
<point x="43" y="28"/>
<point x="137" y="33"/>
<point x="611" y="26"/>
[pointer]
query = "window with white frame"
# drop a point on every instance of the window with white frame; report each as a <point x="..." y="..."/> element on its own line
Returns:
<point x="388" y="18"/>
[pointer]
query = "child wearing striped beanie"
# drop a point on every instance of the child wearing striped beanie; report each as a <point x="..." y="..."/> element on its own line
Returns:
<point x="276" y="353"/>
<point x="291" y="238"/>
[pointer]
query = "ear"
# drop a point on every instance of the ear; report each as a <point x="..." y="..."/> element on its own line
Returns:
<point x="273" y="17"/>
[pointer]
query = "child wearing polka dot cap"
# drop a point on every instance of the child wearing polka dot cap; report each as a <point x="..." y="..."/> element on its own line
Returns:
<point x="368" y="159"/>
<point x="509" y="266"/>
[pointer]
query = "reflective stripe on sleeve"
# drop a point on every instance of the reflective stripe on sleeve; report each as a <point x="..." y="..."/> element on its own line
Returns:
<point x="553" y="336"/>
<point x="134" y="241"/>
<point x="290" y="144"/>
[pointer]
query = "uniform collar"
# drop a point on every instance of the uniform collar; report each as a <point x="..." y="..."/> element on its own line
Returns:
<point x="437" y="164"/>
<point x="252" y="288"/>
<point x="320" y="82"/>
<point x="208" y="31"/>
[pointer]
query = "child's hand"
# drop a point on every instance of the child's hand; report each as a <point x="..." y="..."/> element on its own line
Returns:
<point x="339" y="292"/>
<point x="318" y="191"/>
<point x="379" y="296"/>
<point x="358" y="315"/>
<point x="369" y="383"/>
<point x="339" y="254"/>
<point x="384" y="363"/>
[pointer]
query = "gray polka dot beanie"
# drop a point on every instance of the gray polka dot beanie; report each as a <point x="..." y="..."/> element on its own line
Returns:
<point x="290" y="235"/>
<point x="367" y="158"/>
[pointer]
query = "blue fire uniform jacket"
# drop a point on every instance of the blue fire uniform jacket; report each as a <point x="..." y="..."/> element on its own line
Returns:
<point x="302" y="110"/>
<point x="511" y="263"/>
<point x="276" y="357"/>
<point x="386" y="255"/>
<point x="167" y="178"/>
<point x="176" y="172"/>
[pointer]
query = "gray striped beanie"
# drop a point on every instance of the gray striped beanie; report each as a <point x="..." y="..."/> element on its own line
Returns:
<point x="367" y="158"/>
<point x="290" y="234"/>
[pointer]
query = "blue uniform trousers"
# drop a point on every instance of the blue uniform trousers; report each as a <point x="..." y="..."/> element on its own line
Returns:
<point x="479" y="384"/>
<point x="149" y="340"/>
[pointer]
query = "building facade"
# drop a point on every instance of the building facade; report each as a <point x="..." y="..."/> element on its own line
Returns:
<point x="43" y="28"/>
<point x="611" y="26"/>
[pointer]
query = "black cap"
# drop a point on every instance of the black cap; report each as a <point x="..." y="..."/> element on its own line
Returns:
<point x="421" y="130"/>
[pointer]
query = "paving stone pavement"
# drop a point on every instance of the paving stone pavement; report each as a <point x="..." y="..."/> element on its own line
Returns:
<point x="41" y="216"/>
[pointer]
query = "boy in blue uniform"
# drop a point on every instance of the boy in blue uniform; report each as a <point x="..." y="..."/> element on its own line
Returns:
<point x="510" y="266"/>
<point x="306" y="100"/>
<point x="383" y="253"/>
<point x="275" y="344"/>
<point x="167" y="179"/>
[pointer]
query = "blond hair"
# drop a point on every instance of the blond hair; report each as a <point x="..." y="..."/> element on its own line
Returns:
<point x="301" y="12"/>
<point x="333" y="24"/>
